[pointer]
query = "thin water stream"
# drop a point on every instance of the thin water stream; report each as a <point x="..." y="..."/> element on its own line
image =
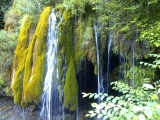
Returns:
<point x="99" y="70"/>
<point x="108" y="63"/>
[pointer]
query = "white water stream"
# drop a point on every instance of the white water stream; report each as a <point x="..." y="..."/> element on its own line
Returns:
<point x="100" y="78"/>
<point x="51" y="106"/>
<point x="108" y="63"/>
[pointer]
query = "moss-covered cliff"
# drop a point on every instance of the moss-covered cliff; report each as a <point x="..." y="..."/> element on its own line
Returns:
<point x="20" y="59"/>
<point x="71" y="87"/>
<point x="75" y="43"/>
<point x="33" y="90"/>
<point x="29" y="61"/>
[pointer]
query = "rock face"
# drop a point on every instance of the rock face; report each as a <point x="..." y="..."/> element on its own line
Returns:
<point x="10" y="111"/>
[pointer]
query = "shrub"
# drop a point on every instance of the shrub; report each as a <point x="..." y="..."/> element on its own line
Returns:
<point x="134" y="104"/>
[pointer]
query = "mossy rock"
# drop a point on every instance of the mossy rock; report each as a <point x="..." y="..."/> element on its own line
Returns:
<point x="71" y="88"/>
<point x="35" y="65"/>
<point x="20" y="58"/>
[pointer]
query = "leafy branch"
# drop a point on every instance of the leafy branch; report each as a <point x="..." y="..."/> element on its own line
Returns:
<point x="133" y="104"/>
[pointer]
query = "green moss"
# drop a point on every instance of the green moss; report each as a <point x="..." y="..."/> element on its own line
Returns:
<point x="65" y="40"/>
<point x="35" y="60"/>
<point x="66" y="55"/>
<point x="20" y="58"/>
<point x="89" y="41"/>
<point x="71" y="87"/>
<point x="79" y="50"/>
<point x="28" y="64"/>
<point x="72" y="47"/>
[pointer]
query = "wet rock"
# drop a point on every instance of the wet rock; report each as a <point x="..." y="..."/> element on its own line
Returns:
<point x="10" y="111"/>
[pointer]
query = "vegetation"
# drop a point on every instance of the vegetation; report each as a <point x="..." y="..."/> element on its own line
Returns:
<point x="72" y="45"/>
<point x="7" y="46"/>
<point x="134" y="104"/>
<point x="20" y="58"/>
<point x="135" y="29"/>
<point x="28" y="66"/>
<point x="4" y="5"/>
<point x="71" y="88"/>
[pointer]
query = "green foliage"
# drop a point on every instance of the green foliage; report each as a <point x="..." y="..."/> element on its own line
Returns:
<point x="152" y="34"/>
<point x="2" y="83"/>
<point x="156" y="62"/>
<point x="130" y="21"/>
<point x="5" y="88"/>
<point x="77" y="7"/>
<point x="7" y="47"/>
<point x="33" y="8"/>
<point x="136" y="74"/>
<point x="4" y="5"/>
<point x="134" y="104"/>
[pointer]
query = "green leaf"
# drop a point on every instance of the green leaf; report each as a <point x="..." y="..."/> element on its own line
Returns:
<point x="123" y="111"/>
<point x="94" y="104"/>
<point x="87" y="115"/>
<point x="109" y="98"/>
<point x="148" y="112"/>
<point x="124" y="92"/>
<point x="116" y="109"/>
<point x="105" y="94"/>
<point x="105" y="117"/>
<point x="141" y="117"/>
<point x="102" y="97"/>
<point x="91" y="111"/>
<point x="136" y="109"/>
<point x="104" y="112"/>
<point x="141" y="63"/>
<point x="91" y="95"/>
<point x="84" y="94"/>
<point x="96" y="96"/>
<point x="145" y="64"/>
<point x="100" y="115"/>
<point x="129" y="115"/>
<point x="93" y="114"/>
<point x="114" y="101"/>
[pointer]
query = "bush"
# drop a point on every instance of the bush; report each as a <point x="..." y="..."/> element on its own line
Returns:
<point x="134" y="104"/>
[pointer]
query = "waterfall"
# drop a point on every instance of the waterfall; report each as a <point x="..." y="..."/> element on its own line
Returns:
<point x="51" y="106"/>
<point x="108" y="63"/>
<point x="100" y="78"/>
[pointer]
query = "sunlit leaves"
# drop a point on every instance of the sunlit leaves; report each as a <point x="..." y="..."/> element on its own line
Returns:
<point x="134" y="104"/>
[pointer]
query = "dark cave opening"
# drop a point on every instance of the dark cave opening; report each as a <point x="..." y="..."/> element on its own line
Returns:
<point x="87" y="82"/>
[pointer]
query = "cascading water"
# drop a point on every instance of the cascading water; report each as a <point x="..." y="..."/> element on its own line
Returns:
<point x="51" y="106"/>
<point x="100" y="78"/>
<point x="108" y="63"/>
